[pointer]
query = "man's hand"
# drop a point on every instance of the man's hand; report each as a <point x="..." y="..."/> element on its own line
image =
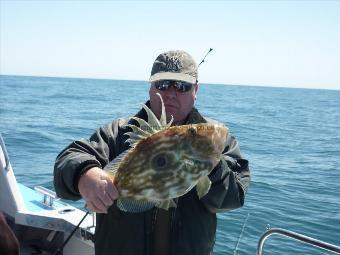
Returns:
<point x="97" y="189"/>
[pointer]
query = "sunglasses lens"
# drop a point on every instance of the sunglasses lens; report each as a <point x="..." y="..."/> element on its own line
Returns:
<point x="183" y="86"/>
<point x="180" y="86"/>
<point x="162" y="85"/>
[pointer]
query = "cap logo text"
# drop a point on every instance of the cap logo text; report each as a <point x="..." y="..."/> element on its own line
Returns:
<point x="173" y="64"/>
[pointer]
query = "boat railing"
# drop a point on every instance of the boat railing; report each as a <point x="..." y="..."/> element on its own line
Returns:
<point x="49" y="196"/>
<point x="299" y="237"/>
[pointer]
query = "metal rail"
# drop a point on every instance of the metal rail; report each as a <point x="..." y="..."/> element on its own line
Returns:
<point x="296" y="236"/>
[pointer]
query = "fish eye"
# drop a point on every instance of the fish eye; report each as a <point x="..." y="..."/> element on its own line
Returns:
<point x="160" y="161"/>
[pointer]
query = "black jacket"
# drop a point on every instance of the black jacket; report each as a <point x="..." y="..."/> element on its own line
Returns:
<point x="192" y="222"/>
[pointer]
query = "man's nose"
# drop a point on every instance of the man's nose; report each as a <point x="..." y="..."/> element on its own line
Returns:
<point x="171" y="92"/>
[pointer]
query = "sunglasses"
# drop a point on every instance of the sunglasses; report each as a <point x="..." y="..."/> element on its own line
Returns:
<point x="180" y="86"/>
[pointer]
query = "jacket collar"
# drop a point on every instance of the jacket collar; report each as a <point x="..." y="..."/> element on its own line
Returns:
<point x="195" y="117"/>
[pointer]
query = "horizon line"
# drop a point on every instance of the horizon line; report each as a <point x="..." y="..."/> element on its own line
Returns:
<point x="203" y="83"/>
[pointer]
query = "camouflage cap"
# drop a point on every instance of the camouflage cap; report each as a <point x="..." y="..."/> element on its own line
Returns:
<point x="174" y="65"/>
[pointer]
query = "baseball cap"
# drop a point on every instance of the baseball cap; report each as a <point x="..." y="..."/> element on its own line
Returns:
<point x="174" y="65"/>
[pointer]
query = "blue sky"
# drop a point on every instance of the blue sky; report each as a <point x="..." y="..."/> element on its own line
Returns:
<point x="267" y="43"/>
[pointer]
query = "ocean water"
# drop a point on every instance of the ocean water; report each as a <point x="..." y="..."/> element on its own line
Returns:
<point x="291" y="138"/>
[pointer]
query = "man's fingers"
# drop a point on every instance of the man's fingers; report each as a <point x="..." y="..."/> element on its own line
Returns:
<point x="98" y="206"/>
<point x="112" y="190"/>
<point x="97" y="189"/>
<point x="106" y="199"/>
<point x="92" y="207"/>
<point x="106" y="194"/>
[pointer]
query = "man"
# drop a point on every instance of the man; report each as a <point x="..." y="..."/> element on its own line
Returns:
<point x="190" y="227"/>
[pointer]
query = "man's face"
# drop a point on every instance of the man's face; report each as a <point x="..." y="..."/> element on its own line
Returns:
<point x="178" y="104"/>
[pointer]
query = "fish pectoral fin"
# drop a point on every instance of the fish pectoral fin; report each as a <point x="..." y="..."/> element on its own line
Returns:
<point x="166" y="204"/>
<point x="203" y="186"/>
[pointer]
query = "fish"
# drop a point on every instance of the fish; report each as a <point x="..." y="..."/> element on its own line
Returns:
<point x="165" y="162"/>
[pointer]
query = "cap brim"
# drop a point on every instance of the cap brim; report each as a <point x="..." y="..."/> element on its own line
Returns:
<point x="173" y="76"/>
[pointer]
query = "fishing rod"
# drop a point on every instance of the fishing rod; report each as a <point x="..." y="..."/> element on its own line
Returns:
<point x="210" y="50"/>
<point x="241" y="233"/>
<point x="60" y="249"/>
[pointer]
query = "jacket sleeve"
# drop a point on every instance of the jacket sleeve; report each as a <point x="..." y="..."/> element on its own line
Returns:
<point x="230" y="180"/>
<point x="80" y="156"/>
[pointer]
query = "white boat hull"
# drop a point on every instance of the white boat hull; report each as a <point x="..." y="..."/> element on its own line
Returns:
<point x="39" y="222"/>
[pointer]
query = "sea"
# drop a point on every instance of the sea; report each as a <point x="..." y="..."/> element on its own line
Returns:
<point x="290" y="136"/>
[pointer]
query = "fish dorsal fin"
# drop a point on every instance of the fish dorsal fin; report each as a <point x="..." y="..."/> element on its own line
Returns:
<point x="162" y="119"/>
<point x="113" y="165"/>
<point x="170" y="122"/>
<point x="203" y="186"/>
<point x="143" y="125"/>
<point x="137" y="133"/>
<point x="134" y="138"/>
<point x="139" y="130"/>
<point x="152" y="119"/>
